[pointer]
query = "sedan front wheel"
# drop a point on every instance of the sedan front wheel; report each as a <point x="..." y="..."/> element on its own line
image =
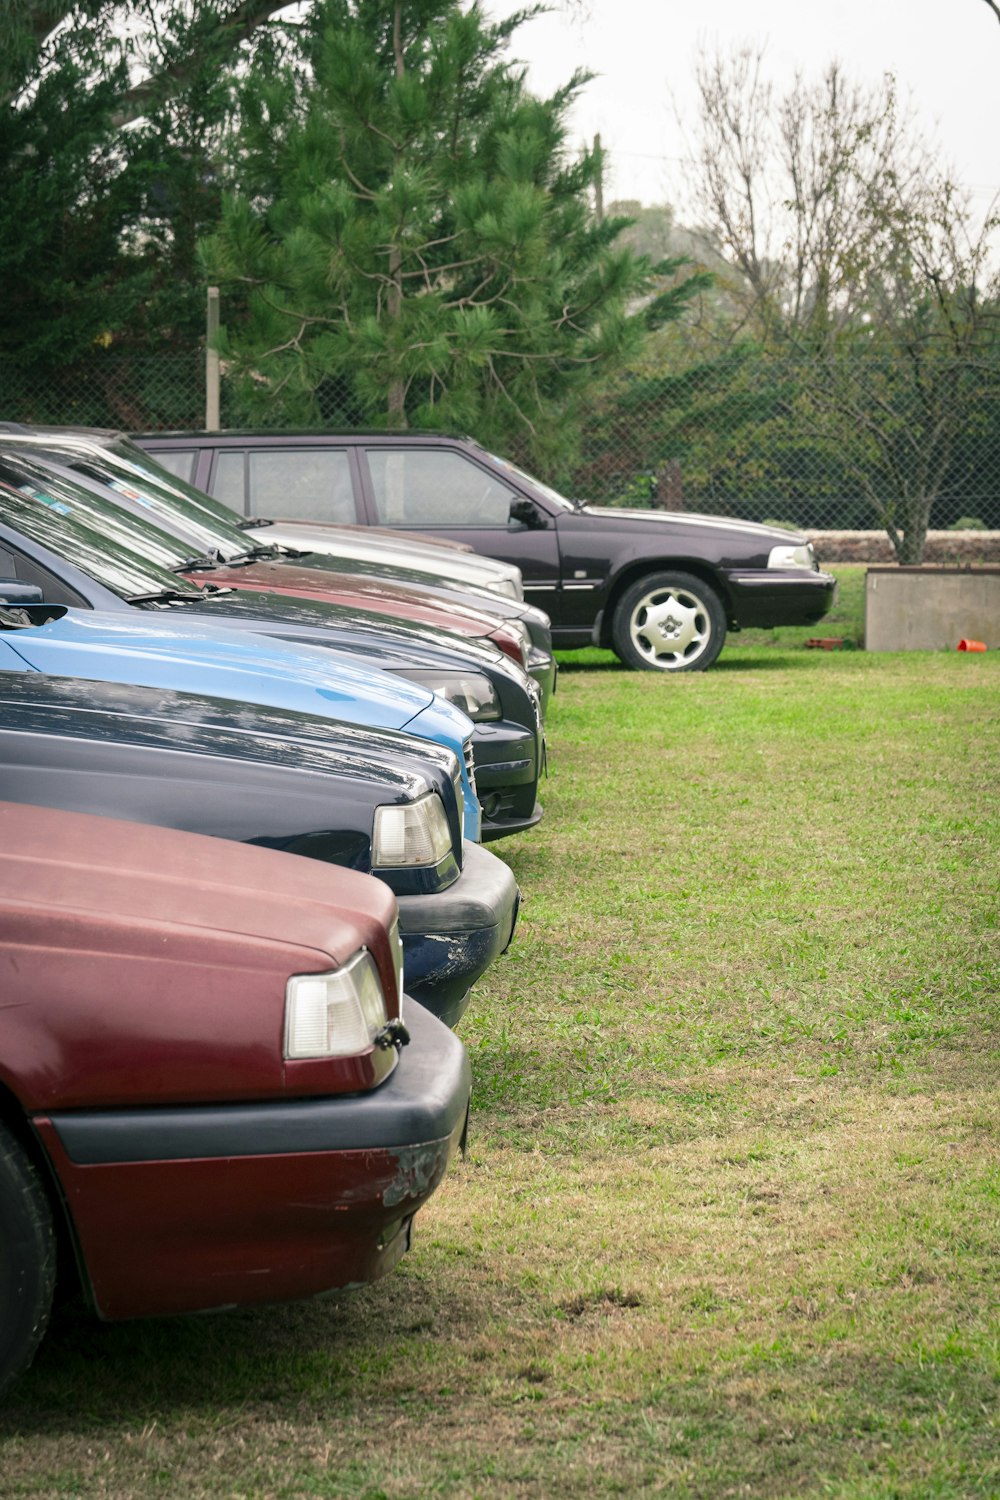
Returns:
<point x="669" y="622"/>
<point x="27" y="1260"/>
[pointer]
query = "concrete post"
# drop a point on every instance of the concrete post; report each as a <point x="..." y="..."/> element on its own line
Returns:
<point x="212" y="405"/>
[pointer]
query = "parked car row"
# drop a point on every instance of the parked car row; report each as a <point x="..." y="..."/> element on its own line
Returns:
<point x="660" y="588"/>
<point x="247" y="766"/>
<point x="244" y="794"/>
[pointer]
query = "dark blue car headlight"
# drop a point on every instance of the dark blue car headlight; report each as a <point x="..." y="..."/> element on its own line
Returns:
<point x="472" y="692"/>
<point x="411" y="833"/>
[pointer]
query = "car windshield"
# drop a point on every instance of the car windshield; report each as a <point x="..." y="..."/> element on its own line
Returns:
<point x="138" y="481"/>
<point x="187" y="498"/>
<point x="546" y="489"/>
<point x="105" y="544"/>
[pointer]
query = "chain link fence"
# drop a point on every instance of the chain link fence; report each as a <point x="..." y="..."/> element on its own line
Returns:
<point x="757" y="442"/>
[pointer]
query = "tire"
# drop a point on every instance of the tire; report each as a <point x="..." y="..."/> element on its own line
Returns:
<point x="669" y="622"/>
<point x="27" y="1260"/>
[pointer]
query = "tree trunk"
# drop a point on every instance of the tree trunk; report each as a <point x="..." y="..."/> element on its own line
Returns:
<point x="397" y="389"/>
<point x="915" y="520"/>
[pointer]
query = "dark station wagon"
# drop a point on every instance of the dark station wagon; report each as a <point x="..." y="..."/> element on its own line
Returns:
<point x="208" y="1095"/>
<point x="659" y="588"/>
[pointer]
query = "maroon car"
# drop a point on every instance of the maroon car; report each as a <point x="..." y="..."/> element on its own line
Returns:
<point x="207" y="1092"/>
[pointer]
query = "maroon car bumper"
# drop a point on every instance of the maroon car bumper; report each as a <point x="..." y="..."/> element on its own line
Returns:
<point x="179" y="1210"/>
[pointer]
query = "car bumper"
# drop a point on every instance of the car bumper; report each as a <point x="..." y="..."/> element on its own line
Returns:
<point x="508" y="759"/>
<point x="186" y="1209"/>
<point x="764" y="597"/>
<point x="451" y="938"/>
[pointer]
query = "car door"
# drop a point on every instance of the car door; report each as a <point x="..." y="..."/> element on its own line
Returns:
<point x="448" y="494"/>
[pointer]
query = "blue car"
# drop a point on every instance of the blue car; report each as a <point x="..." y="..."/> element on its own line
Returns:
<point x="167" y="651"/>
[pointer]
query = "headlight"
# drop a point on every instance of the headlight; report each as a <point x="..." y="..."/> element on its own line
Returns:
<point x="411" y="833"/>
<point x="507" y="587"/>
<point x="472" y="692"/>
<point x="337" y="1014"/>
<point x="802" y="556"/>
<point x="513" y="640"/>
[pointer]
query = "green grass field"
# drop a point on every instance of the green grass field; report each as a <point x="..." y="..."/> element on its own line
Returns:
<point x="730" y="1220"/>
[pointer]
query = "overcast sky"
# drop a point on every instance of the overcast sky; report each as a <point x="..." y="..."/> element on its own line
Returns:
<point x="945" y="53"/>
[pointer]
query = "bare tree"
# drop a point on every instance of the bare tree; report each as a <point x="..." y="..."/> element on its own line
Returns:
<point x="789" y="183"/>
<point x="855" y="255"/>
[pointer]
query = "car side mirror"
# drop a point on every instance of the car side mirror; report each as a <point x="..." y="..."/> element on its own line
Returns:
<point x="16" y="591"/>
<point x="525" y="513"/>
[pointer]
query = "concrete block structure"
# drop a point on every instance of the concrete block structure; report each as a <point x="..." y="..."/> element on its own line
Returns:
<point x="931" y="609"/>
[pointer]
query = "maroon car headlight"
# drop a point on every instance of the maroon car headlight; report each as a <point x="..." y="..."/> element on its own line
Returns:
<point x="513" y="640"/>
<point x="335" y="1014"/>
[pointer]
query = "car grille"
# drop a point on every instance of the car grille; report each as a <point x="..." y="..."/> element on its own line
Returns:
<point x="470" y="766"/>
<point x="535" y="694"/>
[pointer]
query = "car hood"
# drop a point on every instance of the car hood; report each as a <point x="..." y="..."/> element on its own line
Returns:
<point x="171" y="652"/>
<point x="360" y="591"/>
<point x="208" y="932"/>
<point x="412" y="559"/>
<point x="300" y="617"/>
<point x="689" y="521"/>
<point x="129" y="714"/>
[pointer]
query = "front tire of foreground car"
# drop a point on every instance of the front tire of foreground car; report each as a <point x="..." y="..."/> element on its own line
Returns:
<point x="27" y="1260"/>
<point x="669" y="622"/>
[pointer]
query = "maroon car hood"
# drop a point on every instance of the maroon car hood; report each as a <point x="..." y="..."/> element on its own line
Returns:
<point x="356" y="593"/>
<point x="142" y="963"/>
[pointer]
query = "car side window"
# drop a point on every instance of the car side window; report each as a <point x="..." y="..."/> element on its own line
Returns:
<point x="228" y="481"/>
<point x="179" y="461"/>
<point x="310" y="484"/>
<point x="15" y="565"/>
<point x="417" y="487"/>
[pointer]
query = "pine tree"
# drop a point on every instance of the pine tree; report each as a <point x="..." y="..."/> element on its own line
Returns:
<point x="416" y="246"/>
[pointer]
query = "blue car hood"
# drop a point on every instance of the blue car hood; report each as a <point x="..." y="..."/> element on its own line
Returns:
<point x="165" y="652"/>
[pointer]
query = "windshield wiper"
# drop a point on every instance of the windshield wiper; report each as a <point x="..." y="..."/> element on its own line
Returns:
<point x="205" y="562"/>
<point x="269" y="554"/>
<point x="169" y="597"/>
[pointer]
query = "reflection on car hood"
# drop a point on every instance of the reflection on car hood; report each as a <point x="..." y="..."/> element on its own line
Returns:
<point x="690" y="520"/>
<point x="124" y="712"/>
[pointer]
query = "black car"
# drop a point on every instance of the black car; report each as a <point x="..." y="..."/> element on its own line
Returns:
<point x="368" y="800"/>
<point x="85" y="552"/>
<point x="660" y="588"/>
